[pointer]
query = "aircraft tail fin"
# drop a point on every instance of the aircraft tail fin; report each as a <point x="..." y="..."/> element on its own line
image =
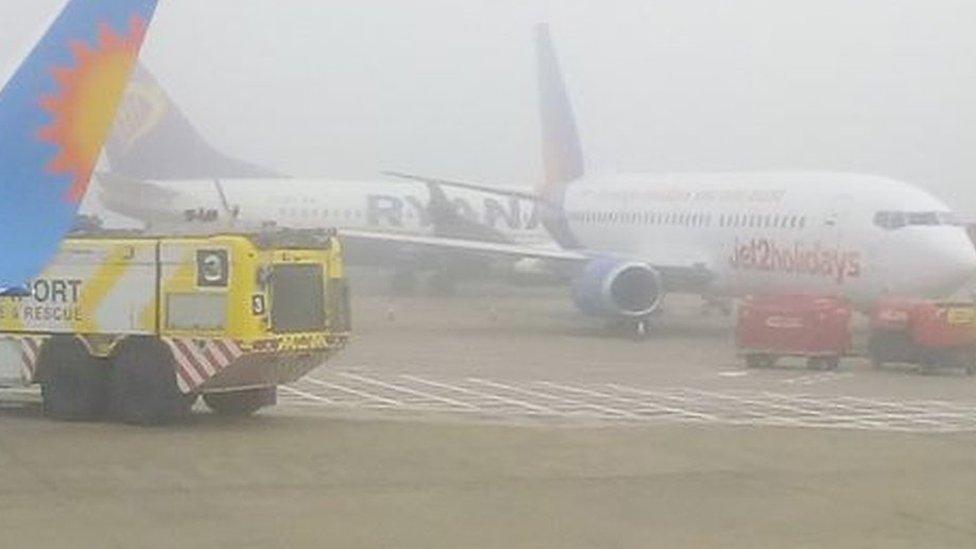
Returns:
<point x="562" y="153"/>
<point x="153" y="139"/>
<point x="53" y="127"/>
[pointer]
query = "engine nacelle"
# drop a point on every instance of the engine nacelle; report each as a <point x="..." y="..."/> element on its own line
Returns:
<point x="612" y="287"/>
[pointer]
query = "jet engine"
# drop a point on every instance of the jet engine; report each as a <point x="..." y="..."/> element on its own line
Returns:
<point x="613" y="287"/>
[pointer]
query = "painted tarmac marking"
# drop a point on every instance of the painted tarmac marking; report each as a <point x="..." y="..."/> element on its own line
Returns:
<point x="611" y="403"/>
<point x="613" y="412"/>
<point x="410" y="391"/>
<point x="351" y="391"/>
<point x="303" y="394"/>
<point x="535" y="407"/>
<point x="814" y="379"/>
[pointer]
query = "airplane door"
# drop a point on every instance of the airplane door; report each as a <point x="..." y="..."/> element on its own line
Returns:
<point x="836" y="219"/>
<point x="839" y="232"/>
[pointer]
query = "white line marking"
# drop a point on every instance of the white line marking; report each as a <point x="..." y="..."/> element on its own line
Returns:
<point x="309" y="396"/>
<point x="781" y="406"/>
<point x="625" y="405"/>
<point x="643" y="404"/>
<point x="537" y="408"/>
<point x="678" y="411"/>
<point x="410" y="391"/>
<point x="814" y="379"/>
<point x="572" y="402"/>
<point x="350" y="391"/>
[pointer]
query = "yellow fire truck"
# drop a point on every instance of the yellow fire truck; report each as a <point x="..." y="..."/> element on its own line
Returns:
<point x="137" y="327"/>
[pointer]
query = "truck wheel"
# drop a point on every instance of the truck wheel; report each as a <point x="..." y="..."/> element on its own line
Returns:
<point x="760" y="361"/>
<point x="143" y="383"/>
<point x="241" y="403"/>
<point x="968" y="362"/>
<point x="74" y="384"/>
<point x="831" y="363"/>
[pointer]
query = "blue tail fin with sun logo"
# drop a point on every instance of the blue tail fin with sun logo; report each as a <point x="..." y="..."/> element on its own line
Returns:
<point x="55" y="114"/>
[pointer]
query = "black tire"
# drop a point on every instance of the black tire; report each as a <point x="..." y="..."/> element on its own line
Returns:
<point x="966" y="360"/>
<point x="241" y="403"/>
<point x="143" y="384"/>
<point x="74" y="384"/>
<point x="831" y="363"/>
<point x="760" y="361"/>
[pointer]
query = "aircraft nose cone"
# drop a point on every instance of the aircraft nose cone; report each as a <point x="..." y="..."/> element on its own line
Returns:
<point x="955" y="264"/>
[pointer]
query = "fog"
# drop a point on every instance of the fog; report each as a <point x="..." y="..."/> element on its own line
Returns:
<point x="347" y="89"/>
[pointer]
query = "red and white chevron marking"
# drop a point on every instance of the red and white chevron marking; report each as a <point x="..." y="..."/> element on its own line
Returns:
<point x="198" y="360"/>
<point x="30" y="348"/>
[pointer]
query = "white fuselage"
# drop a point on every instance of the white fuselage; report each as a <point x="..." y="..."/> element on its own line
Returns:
<point x="387" y="206"/>
<point x="822" y="233"/>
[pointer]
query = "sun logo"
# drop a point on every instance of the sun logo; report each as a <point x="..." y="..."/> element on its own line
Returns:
<point x="86" y="102"/>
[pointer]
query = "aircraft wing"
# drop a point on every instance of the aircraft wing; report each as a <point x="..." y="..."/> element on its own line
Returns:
<point x="434" y="243"/>
<point x="683" y="272"/>
<point x="124" y="187"/>
<point x="489" y="189"/>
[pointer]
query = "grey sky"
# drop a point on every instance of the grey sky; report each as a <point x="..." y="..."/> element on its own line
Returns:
<point x="346" y="89"/>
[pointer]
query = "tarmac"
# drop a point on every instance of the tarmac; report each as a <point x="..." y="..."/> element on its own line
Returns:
<point x="504" y="419"/>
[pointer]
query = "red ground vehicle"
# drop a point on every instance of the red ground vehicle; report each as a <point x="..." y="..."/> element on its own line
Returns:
<point x="813" y="327"/>
<point x="925" y="333"/>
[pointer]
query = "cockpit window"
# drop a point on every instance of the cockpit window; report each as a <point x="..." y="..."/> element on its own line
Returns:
<point x="892" y="220"/>
<point x="923" y="218"/>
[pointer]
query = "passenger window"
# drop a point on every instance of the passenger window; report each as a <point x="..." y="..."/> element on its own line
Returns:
<point x="890" y="220"/>
<point x="923" y="218"/>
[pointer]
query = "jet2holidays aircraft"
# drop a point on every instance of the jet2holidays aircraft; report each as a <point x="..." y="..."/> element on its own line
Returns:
<point x="637" y="237"/>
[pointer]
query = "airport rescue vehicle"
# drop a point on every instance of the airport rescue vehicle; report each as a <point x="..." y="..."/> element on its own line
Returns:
<point x="816" y="328"/>
<point x="924" y="333"/>
<point x="137" y="327"/>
